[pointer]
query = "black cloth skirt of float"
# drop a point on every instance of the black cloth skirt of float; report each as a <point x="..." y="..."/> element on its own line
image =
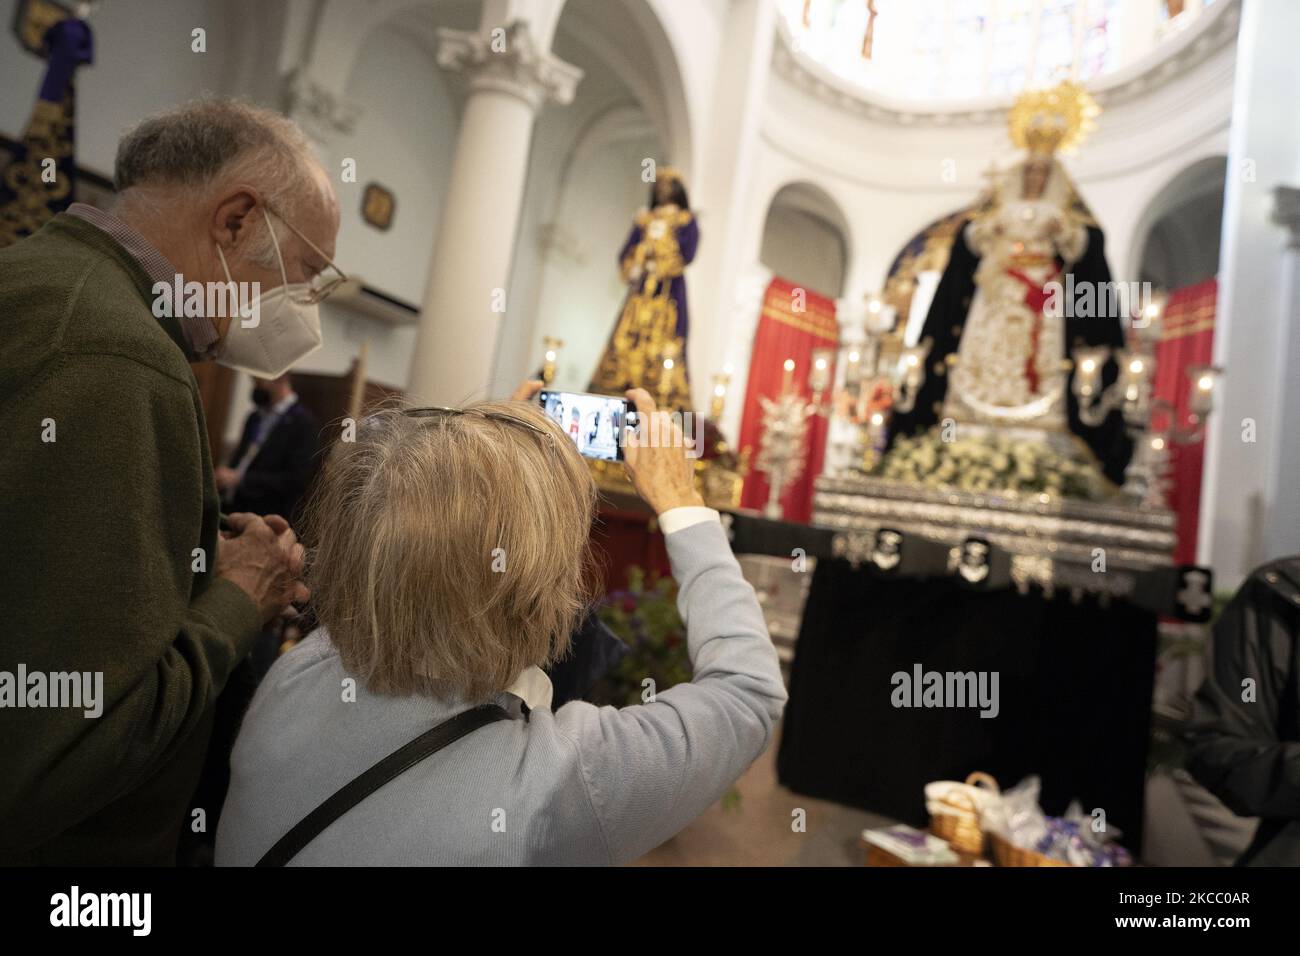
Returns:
<point x="1074" y="695"/>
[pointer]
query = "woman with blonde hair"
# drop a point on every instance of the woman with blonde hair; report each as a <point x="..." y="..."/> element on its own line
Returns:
<point x="450" y="563"/>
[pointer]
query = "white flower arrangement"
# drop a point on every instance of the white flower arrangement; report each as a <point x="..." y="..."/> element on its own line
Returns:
<point x="989" y="463"/>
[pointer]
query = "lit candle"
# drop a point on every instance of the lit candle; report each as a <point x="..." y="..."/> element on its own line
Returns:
<point x="876" y="432"/>
<point x="1204" y="379"/>
<point x="788" y="381"/>
<point x="911" y="367"/>
<point x="1136" y="370"/>
<point x="819" y="377"/>
<point x="1088" y="365"/>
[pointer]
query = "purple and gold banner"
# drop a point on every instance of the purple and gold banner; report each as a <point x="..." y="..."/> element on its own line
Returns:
<point x="39" y="179"/>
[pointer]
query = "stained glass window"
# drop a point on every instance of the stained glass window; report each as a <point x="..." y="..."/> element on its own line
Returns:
<point x="1012" y="47"/>
<point x="927" y="57"/>
<point x="967" y="57"/>
<point x="959" y="49"/>
<point x="1099" y="53"/>
<point x="1054" y="51"/>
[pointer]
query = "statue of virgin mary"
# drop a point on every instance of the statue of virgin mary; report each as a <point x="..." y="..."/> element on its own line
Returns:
<point x="1000" y="345"/>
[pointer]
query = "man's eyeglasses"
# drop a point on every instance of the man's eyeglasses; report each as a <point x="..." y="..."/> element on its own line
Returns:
<point x="319" y="288"/>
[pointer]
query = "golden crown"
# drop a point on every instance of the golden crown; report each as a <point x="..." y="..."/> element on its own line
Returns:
<point x="1059" y="118"/>
<point x="668" y="174"/>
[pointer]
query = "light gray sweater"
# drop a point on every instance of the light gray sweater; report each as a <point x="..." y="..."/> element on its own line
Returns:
<point x="583" y="785"/>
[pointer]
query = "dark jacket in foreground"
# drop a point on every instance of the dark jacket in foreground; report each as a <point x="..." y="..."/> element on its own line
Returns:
<point x="1247" y="752"/>
<point x="99" y="570"/>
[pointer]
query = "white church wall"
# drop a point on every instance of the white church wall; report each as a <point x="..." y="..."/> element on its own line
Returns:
<point x="403" y="140"/>
<point x="696" y="32"/>
<point x="406" y="121"/>
<point x="804" y="249"/>
<point x="1250" y="503"/>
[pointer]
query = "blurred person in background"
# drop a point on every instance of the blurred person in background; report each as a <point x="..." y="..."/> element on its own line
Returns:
<point x="272" y="465"/>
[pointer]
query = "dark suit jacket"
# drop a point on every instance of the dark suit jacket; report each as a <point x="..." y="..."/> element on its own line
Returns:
<point x="1245" y="749"/>
<point x="278" y="476"/>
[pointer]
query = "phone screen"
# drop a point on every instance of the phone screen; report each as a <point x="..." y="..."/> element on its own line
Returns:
<point x="595" y="423"/>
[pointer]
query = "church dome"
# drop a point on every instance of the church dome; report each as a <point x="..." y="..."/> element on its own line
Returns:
<point x="963" y="50"/>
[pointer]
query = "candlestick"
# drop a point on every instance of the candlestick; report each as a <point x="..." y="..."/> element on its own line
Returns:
<point x="667" y="372"/>
<point x="853" y="368"/>
<point x="720" y="382"/>
<point x="552" y="347"/>
<point x="819" y="375"/>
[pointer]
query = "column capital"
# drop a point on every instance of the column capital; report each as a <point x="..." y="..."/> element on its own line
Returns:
<point x="1286" y="212"/>
<point x="322" y="112"/>
<point x="507" y="60"/>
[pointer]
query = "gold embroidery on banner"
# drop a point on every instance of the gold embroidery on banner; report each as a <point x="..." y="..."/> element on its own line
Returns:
<point x="803" y="325"/>
<point x="1184" y="329"/>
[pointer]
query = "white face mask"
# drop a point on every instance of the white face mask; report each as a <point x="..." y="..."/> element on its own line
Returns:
<point x="285" y="333"/>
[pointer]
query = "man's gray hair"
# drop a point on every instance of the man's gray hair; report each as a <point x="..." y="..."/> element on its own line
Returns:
<point x="214" y="142"/>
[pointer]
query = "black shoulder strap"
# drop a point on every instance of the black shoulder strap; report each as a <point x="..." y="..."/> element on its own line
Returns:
<point x="396" y="763"/>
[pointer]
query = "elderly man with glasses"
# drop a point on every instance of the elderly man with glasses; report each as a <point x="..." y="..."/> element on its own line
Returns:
<point x="113" y="563"/>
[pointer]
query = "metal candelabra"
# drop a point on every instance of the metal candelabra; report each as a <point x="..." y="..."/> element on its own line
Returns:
<point x="782" y="445"/>
<point x="1151" y="421"/>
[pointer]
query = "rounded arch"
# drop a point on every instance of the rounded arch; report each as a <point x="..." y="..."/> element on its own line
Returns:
<point x="584" y="181"/>
<point x="806" y="238"/>
<point x="566" y="277"/>
<point x="629" y="38"/>
<point x="1184" y="215"/>
<point x="340" y="31"/>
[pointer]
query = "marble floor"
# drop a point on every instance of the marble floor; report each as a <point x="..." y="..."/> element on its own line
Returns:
<point x="759" y="832"/>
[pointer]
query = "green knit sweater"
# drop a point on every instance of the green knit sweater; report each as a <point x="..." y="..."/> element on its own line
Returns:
<point x="99" y="570"/>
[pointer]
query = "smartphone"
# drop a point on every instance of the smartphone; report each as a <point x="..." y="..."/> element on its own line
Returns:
<point x="595" y="423"/>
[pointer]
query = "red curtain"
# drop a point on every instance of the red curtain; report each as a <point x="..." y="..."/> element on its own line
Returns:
<point x="786" y="332"/>
<point x="1187" y="339"/>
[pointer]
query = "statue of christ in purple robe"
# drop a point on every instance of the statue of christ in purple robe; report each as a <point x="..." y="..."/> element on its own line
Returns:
<point x="648" y="346"/>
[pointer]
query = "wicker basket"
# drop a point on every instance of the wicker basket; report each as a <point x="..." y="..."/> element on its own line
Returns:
<point x="1008" y="854"/>
<point x="959" y="820"/>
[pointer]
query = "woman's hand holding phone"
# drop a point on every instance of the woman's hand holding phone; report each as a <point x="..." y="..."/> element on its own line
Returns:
<point x="526" y="390"/>
<point x="654" y="454"/>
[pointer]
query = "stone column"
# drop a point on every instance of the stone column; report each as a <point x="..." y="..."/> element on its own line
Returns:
<point x="1283" y="531"/>
<point x="731" y="225"/>
<point x="1250" y="502"/>
<point x="509" y="79"/>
